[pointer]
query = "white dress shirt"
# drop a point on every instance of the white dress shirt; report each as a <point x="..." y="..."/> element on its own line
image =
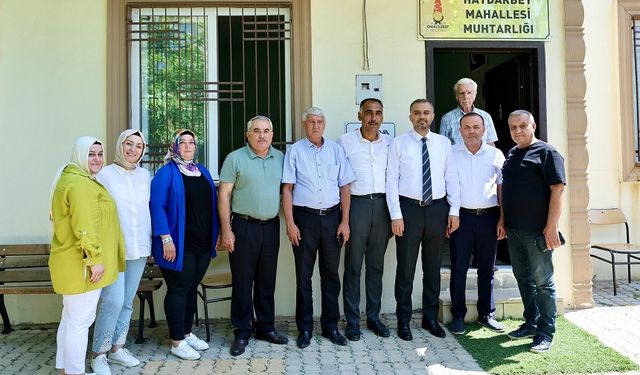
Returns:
<point x="130" y="190"/>
<point x="317" y="172"/>
<point x="450" y="125"/>
<point x="479" y="175"/>
<point x="404" y="171"/>
<point x="368" y="160"/>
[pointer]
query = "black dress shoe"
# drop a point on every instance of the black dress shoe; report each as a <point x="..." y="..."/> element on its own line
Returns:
<point x="335" y="337"/>
<point x="238" y="346"/>
<point x="304" y="339"/>
<point x="404" y="332"/>
<point x="352" y="332"/>
<point x="433" y="327"/>
<point x="272" y="337"/>
<point x="378" y="328"/>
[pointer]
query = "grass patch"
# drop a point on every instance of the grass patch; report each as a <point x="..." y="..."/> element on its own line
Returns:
<point x="574" y="351"/>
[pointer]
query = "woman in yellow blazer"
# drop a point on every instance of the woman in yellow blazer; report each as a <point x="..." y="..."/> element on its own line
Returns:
<point x="87" y="249"/>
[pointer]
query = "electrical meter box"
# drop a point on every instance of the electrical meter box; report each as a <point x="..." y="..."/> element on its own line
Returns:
<point x="368" y="86"/>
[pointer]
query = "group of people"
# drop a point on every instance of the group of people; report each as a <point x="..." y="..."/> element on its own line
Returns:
<point x="356" y="192"/>
<point x="106" y="223"/>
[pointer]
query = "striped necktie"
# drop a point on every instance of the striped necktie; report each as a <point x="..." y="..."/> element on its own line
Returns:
<point x="426" y="173"/>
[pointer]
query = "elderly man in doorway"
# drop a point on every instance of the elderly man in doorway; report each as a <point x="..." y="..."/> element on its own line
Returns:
<point x="249" y="202"/>
<point x="465" y="91"/>
<point x="316" y="199"/>
<point x="366" y="149"/>
<point x="479" y="172"/>
<point x="423" y="195"/>
<point x="533" y="181"/>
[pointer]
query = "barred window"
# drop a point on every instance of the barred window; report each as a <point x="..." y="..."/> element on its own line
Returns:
<point x="208" y="69"/>
<point x="635" y="37"/>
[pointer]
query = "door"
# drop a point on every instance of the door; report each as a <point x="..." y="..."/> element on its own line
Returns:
<point x="509" y="75"/>
<point x="508" y="87"/>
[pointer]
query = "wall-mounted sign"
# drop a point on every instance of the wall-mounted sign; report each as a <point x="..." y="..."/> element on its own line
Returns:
<point x="484" y="19"/>
<point x="385" y="127"/>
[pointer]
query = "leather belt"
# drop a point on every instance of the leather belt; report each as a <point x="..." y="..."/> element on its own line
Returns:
<point x="319" y="211"/>
<point x="480" y="211"/>
<point x="373" y="196"/>
<point x="419" y="202"/>
<point x="253" y="219"/>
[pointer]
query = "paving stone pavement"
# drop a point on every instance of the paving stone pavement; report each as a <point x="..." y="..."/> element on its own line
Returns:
<point x="615" y="320"/>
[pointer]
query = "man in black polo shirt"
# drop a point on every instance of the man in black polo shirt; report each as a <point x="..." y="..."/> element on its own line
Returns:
<point x="533" y="182"/>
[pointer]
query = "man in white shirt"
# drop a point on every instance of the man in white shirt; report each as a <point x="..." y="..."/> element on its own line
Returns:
<point x="420" y="175"/>
<point x="479" y="172"/>
<point x="366" y="149"/>
<point x="465" y="91"/>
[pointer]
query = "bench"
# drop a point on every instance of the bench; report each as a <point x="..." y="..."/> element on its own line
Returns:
<point x="24" y="269"/>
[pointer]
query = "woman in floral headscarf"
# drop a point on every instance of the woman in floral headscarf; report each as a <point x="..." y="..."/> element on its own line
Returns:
<point x="87" y="249"/>
<point x="128" y="184"/>
<point x="185" y="230"/>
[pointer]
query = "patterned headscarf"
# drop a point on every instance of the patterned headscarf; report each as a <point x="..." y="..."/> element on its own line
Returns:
<point x="120" y="158"/>
<point x="187" y="167"/>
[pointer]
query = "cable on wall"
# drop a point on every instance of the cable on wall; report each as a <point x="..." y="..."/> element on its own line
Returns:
<point x="365" y="37"/>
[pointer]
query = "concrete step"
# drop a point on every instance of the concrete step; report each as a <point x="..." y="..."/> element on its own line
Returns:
<point x="502" y="279"/>
<point x="508" y="305"/>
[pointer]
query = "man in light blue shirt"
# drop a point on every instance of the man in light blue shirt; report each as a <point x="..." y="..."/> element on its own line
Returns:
<point x="316" y="198"/>
<point x="465" y="90"/>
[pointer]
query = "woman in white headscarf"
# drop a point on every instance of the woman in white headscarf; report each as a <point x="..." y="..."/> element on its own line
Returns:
<point x="128" y="184"/>
<point x="87" y="249"/>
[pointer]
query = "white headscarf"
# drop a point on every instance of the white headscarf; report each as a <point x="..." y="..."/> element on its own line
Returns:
<point x="120" y="158"/>
<point x="79" y="157"/>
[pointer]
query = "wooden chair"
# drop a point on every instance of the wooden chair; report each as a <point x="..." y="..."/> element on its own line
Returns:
<point x="213" y="282"/>
<point x="630" y="252"/>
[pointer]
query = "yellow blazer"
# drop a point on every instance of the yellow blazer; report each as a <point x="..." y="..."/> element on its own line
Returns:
<point x="86" y="231"/>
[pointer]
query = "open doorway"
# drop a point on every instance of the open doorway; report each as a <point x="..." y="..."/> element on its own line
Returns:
<point x="510" y="76"/>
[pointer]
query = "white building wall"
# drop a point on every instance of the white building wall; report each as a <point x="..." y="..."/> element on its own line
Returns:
<point x="604" y="138"/>
<point x="53" y="89"/>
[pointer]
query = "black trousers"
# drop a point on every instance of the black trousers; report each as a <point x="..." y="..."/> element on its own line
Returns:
<point x="180" y="302"/>
<point x="422" y="226"/>
<point x="370" y="227"/>
<point x="253" y="269"/>
<point x="475" y="232"/>
<point x="318" y="237"/>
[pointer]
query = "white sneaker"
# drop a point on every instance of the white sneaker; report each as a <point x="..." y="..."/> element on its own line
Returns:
<point x="124" y="357"/>
<point x="195" y="342"/>
<point x="184" y="351"/>
<point x="100" y="365"/>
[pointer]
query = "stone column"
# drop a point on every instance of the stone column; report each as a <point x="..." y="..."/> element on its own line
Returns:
<point x="578" y="158"/>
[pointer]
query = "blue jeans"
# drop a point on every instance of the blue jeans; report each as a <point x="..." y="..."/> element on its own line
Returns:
<point x="115" y="307"/>
<point x="533" y="270"/>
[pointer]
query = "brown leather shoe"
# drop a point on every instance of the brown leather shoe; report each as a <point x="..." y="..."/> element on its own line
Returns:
<point x="272" y="337"/>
